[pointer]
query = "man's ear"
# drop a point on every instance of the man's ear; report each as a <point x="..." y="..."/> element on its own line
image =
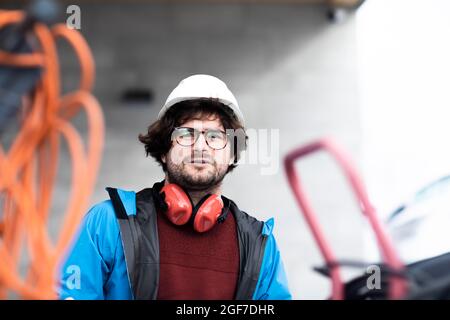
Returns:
<point x="163" y="158"/>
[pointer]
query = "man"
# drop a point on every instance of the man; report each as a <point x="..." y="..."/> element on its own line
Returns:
<point x="180" y="239"/>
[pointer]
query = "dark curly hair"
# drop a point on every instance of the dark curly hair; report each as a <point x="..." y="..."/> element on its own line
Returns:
<point x="158" y="142"/>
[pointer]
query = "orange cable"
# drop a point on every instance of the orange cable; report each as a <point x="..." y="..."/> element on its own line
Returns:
<point x="28" y="170"/>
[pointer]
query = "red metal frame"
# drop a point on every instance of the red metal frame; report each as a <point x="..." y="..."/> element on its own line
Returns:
<point x="398" y="285"/>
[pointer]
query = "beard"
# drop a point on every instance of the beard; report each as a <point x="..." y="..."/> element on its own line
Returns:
<point x="196" y="180"/>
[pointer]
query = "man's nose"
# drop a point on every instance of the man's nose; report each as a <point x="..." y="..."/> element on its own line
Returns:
<point x="201" y="144"/>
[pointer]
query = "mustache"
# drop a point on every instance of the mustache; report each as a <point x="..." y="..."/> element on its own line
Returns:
<point x="199" y="158"/>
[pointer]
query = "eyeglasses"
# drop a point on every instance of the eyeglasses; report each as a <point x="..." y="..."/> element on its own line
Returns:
<point x="186" y="137"/>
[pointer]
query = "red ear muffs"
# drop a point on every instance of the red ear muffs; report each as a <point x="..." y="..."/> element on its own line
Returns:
<point x="180" y="210"/>
<point x="179" y="206"/>
<point x="207" y="213"/>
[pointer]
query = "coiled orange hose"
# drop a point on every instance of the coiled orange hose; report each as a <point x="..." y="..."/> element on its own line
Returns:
<point x="28" y="169"/>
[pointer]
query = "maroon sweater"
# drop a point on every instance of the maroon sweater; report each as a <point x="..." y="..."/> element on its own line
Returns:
<point x="198" y="265"/>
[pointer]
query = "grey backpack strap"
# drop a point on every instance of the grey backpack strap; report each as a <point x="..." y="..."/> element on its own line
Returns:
<point x="140" y="243"/>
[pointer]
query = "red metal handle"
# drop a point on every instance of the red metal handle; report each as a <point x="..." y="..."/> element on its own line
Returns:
<point x="397" y="288"/>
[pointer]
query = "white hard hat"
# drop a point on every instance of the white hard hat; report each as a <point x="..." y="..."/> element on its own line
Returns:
<point x="202" y="86"/>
